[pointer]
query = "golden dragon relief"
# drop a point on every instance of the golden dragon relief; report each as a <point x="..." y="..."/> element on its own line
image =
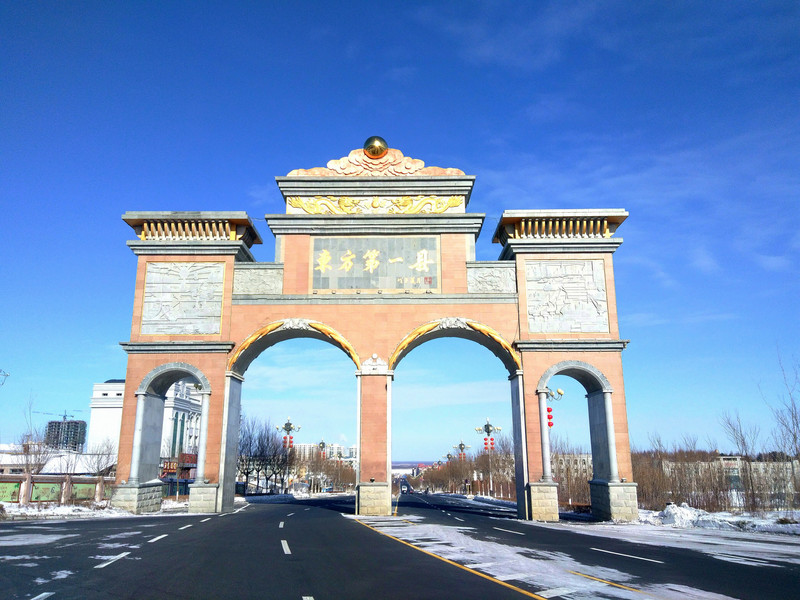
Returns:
<point x="346" y="205"/>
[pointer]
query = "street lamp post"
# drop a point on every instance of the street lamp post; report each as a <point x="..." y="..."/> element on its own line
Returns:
<point x="462" y="456"/>
<point x="288" y="442"/>
<point x="488" y="445"/>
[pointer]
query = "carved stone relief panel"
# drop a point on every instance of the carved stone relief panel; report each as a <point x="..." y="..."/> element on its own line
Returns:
<point x="566" y="296"/>
<point x="488" y="280"/>
<point x="183" y="298"/>
<point x="247" y="280"/>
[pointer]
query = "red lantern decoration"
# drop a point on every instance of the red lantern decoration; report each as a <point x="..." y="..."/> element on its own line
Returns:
<point x="549" y="409"/>
<point x="550" y="424"/>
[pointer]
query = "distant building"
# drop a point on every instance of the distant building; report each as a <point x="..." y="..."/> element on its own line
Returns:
<point x="305" y="452"/>
<point x="66" y="435"/>
<point x="180" y="430"/>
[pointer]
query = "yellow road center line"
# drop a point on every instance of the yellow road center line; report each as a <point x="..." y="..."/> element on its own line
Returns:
<point x="619" y="585"/>
<point x="455" y="564"/>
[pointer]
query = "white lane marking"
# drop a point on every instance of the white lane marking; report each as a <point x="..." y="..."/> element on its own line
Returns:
<point x="285" y="546"/>
<point x="458" y="519"/>
<point x="238" y="510"/>
<point x="43" y="596"/>
<point x="204" y="520"/>
<point x="307" y="509"/>
<point x="184" y="527"/>
<point x="661" y="562"/>
<point x="280" y="525"/>
<point x="511" y="576"/>
<point x="290" y="514"/>
<point x="222" y="514"/>
<point x="553" y="592"/>
<point x="508" y="530"/>
<point x="304" y="598"/>
<point x="108" y="562"/>
<point x="155" y="539"/>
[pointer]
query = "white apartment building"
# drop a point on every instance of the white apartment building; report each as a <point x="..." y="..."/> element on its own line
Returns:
<point x="181" y="426"/>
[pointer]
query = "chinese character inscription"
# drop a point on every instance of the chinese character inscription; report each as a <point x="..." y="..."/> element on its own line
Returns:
<point x="385" y="263"/>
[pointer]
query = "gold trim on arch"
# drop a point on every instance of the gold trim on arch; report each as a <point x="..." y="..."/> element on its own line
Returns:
<point x="418" y="332"/>
<point x="488" y="331"/>
<point x="339" y="339"/>
<point x="480" y="328"/>
<point x="325" y="330"/>
<point x="252" y="339"/>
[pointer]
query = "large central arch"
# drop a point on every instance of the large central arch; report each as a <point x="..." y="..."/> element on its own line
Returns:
<point x="376" y="255"/>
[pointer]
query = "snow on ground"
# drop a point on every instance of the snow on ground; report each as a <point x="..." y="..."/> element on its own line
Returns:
<point x="549" y="573"/>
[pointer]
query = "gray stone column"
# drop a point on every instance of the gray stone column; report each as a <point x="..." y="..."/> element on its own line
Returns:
<point x="520" y="443"/>
<point x="136" y="452"/>
<point x="613" y="475"/>
<point x="200" y="473"/>
<point x="230" y="441"/>
<point x="547" y="470"/>
<point x="202" y="495"/>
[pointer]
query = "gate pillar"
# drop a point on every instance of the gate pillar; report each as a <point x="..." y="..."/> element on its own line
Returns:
<point x="202" y="494"/>
<point x="374" y="490"/>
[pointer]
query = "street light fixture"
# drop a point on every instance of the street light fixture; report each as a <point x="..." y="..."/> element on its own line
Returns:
<point x="559" y="393"/>
<point x="288" y="428"/>
<point x="461" y="447"/>
<point x="487" y="429"/>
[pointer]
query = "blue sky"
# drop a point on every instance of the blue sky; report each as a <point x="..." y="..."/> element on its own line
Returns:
<point x="683" y="113"/>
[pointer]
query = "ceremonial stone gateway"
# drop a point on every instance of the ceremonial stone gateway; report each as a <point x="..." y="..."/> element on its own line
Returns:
<point x="375" y="255"/>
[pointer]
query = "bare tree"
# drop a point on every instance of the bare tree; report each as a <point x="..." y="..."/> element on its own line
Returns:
<point x="745" y="440"/>
<point x="787" y="422"/>
<point x="101" y="458"/>
<point x="247" y="460"/>
<point x="34" y="453"/>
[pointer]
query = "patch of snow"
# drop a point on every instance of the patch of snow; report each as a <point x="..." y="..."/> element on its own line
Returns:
<point x="543" y="571"/>
<point x="60" y="574"/>
<point x="117" y="545"/>
<point x="122" y="535"/>
<point x="33" y="539"/>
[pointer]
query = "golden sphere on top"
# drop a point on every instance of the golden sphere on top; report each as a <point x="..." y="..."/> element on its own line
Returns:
<point x="376" y="147"/>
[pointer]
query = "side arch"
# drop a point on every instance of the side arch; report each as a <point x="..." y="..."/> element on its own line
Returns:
<point x="159" y="380"/>
<point x="460" y="328"/>
<point x="591" y="378"/>
<point x="278" y="331"/>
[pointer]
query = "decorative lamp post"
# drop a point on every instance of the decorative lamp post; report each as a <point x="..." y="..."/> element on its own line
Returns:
<point x="288" y="440"/>
<point x="461" y="447"/>
<point x="288" y="428"/>
<point x="488" y="445"/>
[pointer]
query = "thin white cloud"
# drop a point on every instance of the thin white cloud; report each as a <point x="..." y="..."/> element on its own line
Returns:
<point x="776" y="264"/>
<point x="704" y="261"/>
<point x="650" y="319"/>
<point x="509" y="34"/>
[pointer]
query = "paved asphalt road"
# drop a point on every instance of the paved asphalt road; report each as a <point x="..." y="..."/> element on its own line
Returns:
<point x="647" y="565"/>
<point x="307" y="549"/>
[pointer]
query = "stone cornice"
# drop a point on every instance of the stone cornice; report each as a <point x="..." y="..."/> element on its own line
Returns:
<point x="440" y="185"/>
<point x="177" y="347"/>
<point x="558" y="246"/>
<point x="190" y="248"/>
<point x="374" y="298"/>
<point x="375" y="224"/>
<point x="577" y="345"/>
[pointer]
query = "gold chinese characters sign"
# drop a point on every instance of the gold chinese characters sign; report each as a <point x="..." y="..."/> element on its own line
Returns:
<point x="389" y="264"/>
<point x="347" y="205"/>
